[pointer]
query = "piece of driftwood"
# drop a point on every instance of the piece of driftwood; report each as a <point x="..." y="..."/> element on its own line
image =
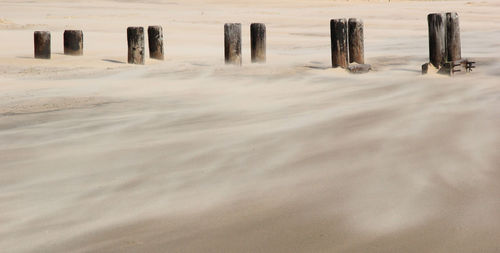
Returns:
<point x="339" y="46"/>
<point x="449" y="68"/>
<point x="457" y="67"/>
<point x="437" y="39"/>
<point x="42" y="44"/>
<point x="135" y="40"/>
<point x="359" y="68"/>
<point x="425" y="68"/>
<point x="356" y="41"/>
<point x="155" y="42"/>
<point x="453" y="48"/>
<point x="232" y="43"/>
<point x="73" y="42"/>
<point x="258" y="42"/>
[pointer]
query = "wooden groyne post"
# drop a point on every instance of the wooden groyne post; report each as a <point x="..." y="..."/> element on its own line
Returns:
<point x="356" y="41"/>
<point x="135" y="41"/>
<point x="42" y="44"/>
<point x="155" y="42"/>
<point x="339" y="46"/>
<point x="73" y="42"/>
<point x="232" y="43"/>
<point x="437" y="39"/>
<point x="258" y="42"/>
<point x="445" y="51"/>
<point x="453" y="47"/>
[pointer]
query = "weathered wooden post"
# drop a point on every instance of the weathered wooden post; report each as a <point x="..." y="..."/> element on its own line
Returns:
<point x="155" y="42"/>
<point x="258" y="42"/>
<point x="73" y="42"/>
<point x="453" y="37"/>
<point x="42" y="44"/>
<point x="338" y="35"/>
<point x="135" y="40"/>
<point x="444" y="45"/>
<point x="356" y="41"/>
<point x="437" y="38"/>
<point x="232" y="43"/>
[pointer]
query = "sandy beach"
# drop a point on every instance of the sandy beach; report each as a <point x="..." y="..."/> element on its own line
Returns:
<point x="192" y="155"/>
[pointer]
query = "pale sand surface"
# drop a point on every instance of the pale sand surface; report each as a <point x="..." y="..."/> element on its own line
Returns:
<point x="190" y="155"/>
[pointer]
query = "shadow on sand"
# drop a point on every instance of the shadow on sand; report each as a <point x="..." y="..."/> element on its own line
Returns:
<point x="113" y="61"/>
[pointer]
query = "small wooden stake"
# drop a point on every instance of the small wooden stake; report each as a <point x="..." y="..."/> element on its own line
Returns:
<point x="42" y="44"/>
<point x="425" y="68"/>
<point x="258" y="42"/>
<point x="338" y="35"/>
<point x="155" y="41"/>
<point x="356" y="41"/>
<point x="73" y="42"/>
<point x="232" y="43"/>
<point x="135" y="40"/>
<point x="453" y="37"/>
<point x="437" y="39"/>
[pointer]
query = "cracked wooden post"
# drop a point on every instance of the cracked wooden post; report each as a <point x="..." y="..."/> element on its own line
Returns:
<point x="42" y="44"/>
<point x="258" y="42"/>
<point x="135" y="41"/>
<point x="453" y="37"/>
<point x="338" y="35"/>
<point x="73" y="42"/>
<point x="437" y="39"/>
<point x="356" y="41"/>
<point x="155" y="42"/>
<point x="232" y="43"/>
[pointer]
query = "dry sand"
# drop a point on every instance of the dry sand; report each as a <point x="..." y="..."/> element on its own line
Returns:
<point x="190" y="155"/>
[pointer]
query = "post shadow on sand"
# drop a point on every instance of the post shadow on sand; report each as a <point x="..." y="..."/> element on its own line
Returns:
<point x="31" y="57"/>
<point x="113" y="61"/>
<point x="317" y="66"/>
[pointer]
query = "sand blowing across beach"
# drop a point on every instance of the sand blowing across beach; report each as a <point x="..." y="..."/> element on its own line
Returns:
<point x="192" y="155"/>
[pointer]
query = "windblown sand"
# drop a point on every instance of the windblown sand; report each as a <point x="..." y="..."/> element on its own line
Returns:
<point x="191" y="155"/>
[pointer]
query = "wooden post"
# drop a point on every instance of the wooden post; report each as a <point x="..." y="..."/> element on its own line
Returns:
<point x="155" y="42"/>
<point x="258" y="42"/>
<point x="73" y="42"/>
<point x="135" y="40"/>
<point x="232" y="43"/>
<point x="453" y="37"/>
<point x="437" y="38"/>
<point x="42" y="44"/>
<point x="356" y="41"/>
<point x="338" y="35"/>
